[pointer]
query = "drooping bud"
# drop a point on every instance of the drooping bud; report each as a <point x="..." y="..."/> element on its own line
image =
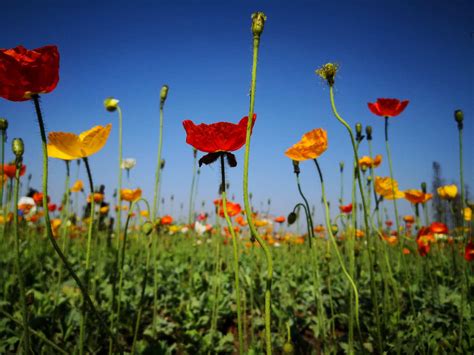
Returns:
<point x="3" y="124"/>
<point x="111" y="104"/>
<point x="291" y="218"/>
<point x="18" y="147"/>
<point x="147" y="228"/>
<point x="423" y="187"/>
<point x="296" y="167"/>
<point x="368" y="132"/>
<point x="258" y="23"/>
<point x="162" y="165"/>
<point x="288" y="348"/>
<point x="459" y="117"/>
<point x="163" y="94"/>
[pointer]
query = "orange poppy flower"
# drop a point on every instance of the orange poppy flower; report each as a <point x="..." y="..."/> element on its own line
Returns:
<point x="38" y="198"/>
<point x="98" y="198"/>
<point x="144" y="213"/>
<point x="319" y="228"/>
<point x="233" y="209"/>
<point x="409" y="219"/>
<point x="359" y="233"/>
<point x="417" y="196"/>
<point x="104" y="209"/>
<point x="368" y="162"/>
<point x="240" y="220"/>
<point x="280" y="219"/>
<point x="439" y="228"/>
<point x="346" y="209"/>
<point x="78" y="186"/>
<point x="166" y="220"/>
<point x="130" y="195"/>
<point x="311" y="146"/>
<point x="298" y="240"/>
<point x="406" y="251"/>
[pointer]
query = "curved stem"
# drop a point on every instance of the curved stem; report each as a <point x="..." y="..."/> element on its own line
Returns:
<point x="21" y="281"/>
<point x="236" y="256"/>
<point x="248" y="209"/>
<point x="47" y="222"/>
<point x="309" y="219"/>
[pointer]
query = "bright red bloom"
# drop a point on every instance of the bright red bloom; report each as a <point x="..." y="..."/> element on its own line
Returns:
<point x="439" y="228"/>
<point x="10" y="170"/>
<point x="280" y="219"/>
<point x="38" y="198"/>
<point x="389" y="223"/>
<point x="469" y="251"/>
<point x="217" y="137"/>
<point x="233" y="209"/>
<point x="166" y="220"/>
<point x="388" y="107"/>
<point x="52" y="207"/>
<point x="423" y="240"/>
<point x="346" y="208"/>
<point x="26" y="72"/>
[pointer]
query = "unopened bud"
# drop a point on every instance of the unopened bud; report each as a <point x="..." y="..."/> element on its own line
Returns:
<point x="358" y="128"/>
<point x="258" y="23"/>
<point x="296" y="167"/>
<point x="291" y="218"/>
<point x="341" y="166"/>
<point x="162" y="165"/>
<point x="147" y="228"/>
<point x="163" y="94"/>
<point x="423" y="187"/>
<point x="195" y="152"/>
<point x="111" y="104"/>
<point x="334" y="229"/>
<point x="288" y="348"/>
<point x="459" y="117"/>
<point x="3" y="124"/>
<point x="18" y="147"/>
<point x="368" y="132"/>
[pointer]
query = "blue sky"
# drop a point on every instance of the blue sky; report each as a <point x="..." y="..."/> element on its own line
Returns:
<point x="416" y="50"/>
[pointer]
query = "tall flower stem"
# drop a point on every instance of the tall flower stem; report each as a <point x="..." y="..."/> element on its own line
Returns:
<point x="88" y="251"/>
<point x="156" y="194"/>
<point x="248" y="208"/>
<point x="47" y="222"/>
<point x="191" y="193"/>
<point x="236" y="256"/>
<point x="387" y="146"/>
<point x="307" y="211"/>
<point x="336" y="248"/>
<point x="461" y="181"/>
<point x="2" y="174"/>
<point x="366" y="221"/>
<point x="21" y="281"/>
<point x="372" y="174"/>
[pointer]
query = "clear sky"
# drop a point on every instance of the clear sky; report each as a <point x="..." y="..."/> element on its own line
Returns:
<point x="416" y="50"/>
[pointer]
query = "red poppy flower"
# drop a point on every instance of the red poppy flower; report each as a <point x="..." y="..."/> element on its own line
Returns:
<point x="469" y="251"/>
<point x="38" y="198"/>
<point x="166" y="220"/>
<point x="423" y="240"/>
<point x="389" y="223"/>
<point x="388" y="107"/>
<point x="346" y="208"/>
<point x="10" y="170"/>
<point x="280" y="219"/>
<point x="52" y="207"/>
<point x="217" y="139"/>
<point x="26" y="72"/>
<point x="439" y="228"/>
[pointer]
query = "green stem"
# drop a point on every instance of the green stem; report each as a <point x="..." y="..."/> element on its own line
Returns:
<point x="387" y="146"/>
<point x="191" y="194"/>
<point x="156" y="197"/>
<point x="372" y="174"/>
<point x="248" y="209"/>
<point x="461" y="178"/>
<point x="236" y="257"/>
<point x="47" y="222"/>
<point x="309" y="219"/>
<point x="88" y="253"/>
<point x="2" y="174"/>
<point x="21" y="281"/>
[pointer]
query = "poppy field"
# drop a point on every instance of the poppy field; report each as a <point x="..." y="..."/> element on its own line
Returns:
<point x="92" y="275"/>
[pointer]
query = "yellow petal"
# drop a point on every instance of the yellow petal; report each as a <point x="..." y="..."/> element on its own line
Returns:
<point x="67" y="143"/>
<point x="94" y="139"/>
<point x="54" y="152"/>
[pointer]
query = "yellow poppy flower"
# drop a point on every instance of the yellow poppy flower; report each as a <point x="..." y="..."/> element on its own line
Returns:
<point x="448" y="192"/>
<point x="130" y="195"/>
<point x="467" y="214"/>
<point x="368" y="162"/>
<point x="78" y="185"/>
<point x="69" y="146"/>
<point x="385" y="187"/>
<point x="144" y="213"/>
<point x="311" y="146"/>
<point x="104" y="209"/>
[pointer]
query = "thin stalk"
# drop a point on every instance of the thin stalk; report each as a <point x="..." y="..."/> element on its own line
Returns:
<point x="191" y="194"/>
<point x="248" y="209"/>
<point x="2" y="174"/>
<point x="88" y="253"/>
<point x="387" y="146"/>
<point x="307" y="211"/>
<point x="21" y="281"/>
<point x="156" y="197"/>
<point x="236" y="257"/>
<point x="47" y="222"/>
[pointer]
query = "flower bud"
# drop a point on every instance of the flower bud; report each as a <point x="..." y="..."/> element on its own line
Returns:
<point x="162" y="165"/>
<point x="163" y="94"/>
<point x="423" y="187"/>
<point x="368" y="132"/>
<point x="334" y="229"/>
<point x="288" y="348"/>
<point x="296" y="167"/>
<point x="341" y="166"/>
<point x="459" y="117"/>
<point x="147" y="228"/>
<point x="195" y="152"/>
<point x="291" y="218"/>
<point x="111" y="104"/>
<point x="3" y="124"/>
<point x="18" y="147"/>
<point x="258" y="23"/>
